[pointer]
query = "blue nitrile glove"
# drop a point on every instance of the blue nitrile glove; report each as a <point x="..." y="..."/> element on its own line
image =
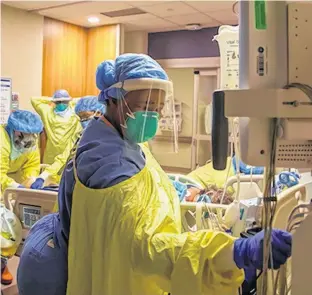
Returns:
<point x="248" y="253"/>
<point x="288" y="178"/>
<point x="38" y="184"/>
<point x="20" y="186"/>
<point x="247" y="169"/>
<point x="181" y="189"/>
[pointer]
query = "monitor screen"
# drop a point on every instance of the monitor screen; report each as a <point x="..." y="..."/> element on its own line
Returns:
<point x="30" y="215"/>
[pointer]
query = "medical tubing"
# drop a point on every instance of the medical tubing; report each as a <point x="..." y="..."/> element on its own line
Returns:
<point x="303" y="87"/>
<point x="228" y="169"/>
<point x="269" y="207"/>
<point x="237" y="159"/>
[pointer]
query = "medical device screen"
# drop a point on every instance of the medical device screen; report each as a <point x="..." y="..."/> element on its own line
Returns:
<point x="30" y="215"/>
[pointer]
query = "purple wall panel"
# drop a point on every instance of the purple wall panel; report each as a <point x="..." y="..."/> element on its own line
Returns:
<point x="183" y="44"/>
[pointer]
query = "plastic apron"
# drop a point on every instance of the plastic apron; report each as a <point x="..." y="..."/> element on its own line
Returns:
<point x="126" y="239"/>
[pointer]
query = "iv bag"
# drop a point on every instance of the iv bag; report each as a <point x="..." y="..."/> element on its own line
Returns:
<point x="228" y="41"/>
<point x="11" y="232"/>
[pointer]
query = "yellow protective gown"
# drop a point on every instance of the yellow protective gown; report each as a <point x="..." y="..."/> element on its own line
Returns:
<point x="126" y="240"/>
<point x="15" y="172"/>
<point x="206" y="175"/>
<point x="59" y="130"/>
<point x="54" y="171"/>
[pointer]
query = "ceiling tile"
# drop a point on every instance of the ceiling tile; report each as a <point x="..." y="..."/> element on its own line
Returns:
<point x="85" y="9"/>
<point x="207" y="6"/>
<point x="104" y="20"/>
<point x="153" y="20"/>
<point x="133" y="28"/>
<point x="158" y="30"/>
<point x="30" y="5"/>
<point x="145" y="16"/>
<point x="224" y="16"/>
<point x="83" y="21"/>
<point x="144" y="3"/>
<point x="169" y="9"/>
<point x="194" y="18"/>
<point x="150" y="24"/>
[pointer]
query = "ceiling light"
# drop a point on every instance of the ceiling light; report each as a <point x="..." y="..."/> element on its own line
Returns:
<point x="93" y="20"/>
<point x="193" y="27"/>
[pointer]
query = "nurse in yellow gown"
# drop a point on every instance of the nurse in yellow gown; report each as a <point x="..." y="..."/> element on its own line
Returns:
<point x="19" y="153"/>
<point x="119" y="214"/>
<point x="86" y="108"/>
<point x="207" y="176"/>
<point x="60" y="122"/>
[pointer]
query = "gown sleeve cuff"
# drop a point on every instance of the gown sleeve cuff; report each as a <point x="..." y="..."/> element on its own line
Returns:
<point x="44" y="175"/>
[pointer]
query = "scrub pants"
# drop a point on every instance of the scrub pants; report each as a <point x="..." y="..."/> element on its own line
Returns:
<point x="43" y="264"/>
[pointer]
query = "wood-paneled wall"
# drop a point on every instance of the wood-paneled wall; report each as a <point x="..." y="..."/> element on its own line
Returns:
<point x="102" y="45"/>
<point x="64" y="58"/>
<point x="71" y="55"/>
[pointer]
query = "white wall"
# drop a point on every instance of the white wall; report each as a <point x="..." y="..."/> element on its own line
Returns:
<point x="22" y="51"/>
<point x="136" y="42"/>
<point x="183" y="82"/>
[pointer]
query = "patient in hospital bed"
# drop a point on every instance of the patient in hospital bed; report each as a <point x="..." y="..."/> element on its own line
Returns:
<point x="207" y="176"/>
<point x="212" y="194"/>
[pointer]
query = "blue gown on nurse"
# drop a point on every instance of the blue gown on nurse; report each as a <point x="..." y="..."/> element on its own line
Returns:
<point x="103" y="150"/>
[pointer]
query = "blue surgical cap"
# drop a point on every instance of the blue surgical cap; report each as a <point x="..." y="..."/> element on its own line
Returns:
<point x="125" y="67"/>
<point x="24" y="121"/>
<point x="61" y="94"/>
<point x="89" y="104"/>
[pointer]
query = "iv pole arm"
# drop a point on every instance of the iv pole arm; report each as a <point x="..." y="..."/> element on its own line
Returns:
<point x="266" y="103"/>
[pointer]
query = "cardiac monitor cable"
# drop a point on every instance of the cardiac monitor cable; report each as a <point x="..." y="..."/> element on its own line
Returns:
<point x="269" y="207"/>
<point x="233" y="145"/>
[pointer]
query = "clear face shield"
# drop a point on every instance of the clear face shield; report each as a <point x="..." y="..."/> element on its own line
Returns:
<point x="24" y="141"/>
<point x="87" y="116"/>
<point x="140" y="109"/>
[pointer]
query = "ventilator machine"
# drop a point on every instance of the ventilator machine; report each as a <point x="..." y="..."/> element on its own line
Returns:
<point x="274" y="109"/>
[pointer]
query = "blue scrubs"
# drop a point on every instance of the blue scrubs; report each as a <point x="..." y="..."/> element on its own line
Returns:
<point x="103" y="159"/>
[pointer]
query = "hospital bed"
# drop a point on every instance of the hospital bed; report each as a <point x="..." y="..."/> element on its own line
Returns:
<point x="29" y="206"/>
<point x="293" y="207"/>
<point x="184" y="179"/>
<point x="250" y="185"/>
<point x="294" y="199"/>
<point x="193" y="214"/>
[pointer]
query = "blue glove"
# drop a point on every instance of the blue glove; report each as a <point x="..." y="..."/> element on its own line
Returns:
<point x="288" y="178"/>
<point x="248" y="253"/>
<point x="38" y="184"/>
<point x="20" y="186"/>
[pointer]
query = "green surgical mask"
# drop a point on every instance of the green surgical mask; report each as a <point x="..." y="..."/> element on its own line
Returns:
<point x="61" y="107"/>
<point x="142" y="127"/>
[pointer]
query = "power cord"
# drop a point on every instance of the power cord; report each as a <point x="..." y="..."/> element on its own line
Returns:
<point x="303" y="87"/>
